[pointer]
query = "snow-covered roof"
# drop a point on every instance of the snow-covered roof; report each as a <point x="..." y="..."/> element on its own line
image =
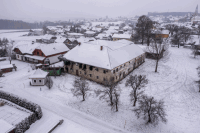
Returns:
<point x="59" y="64"/>
<point x="75" y="34"/>
<point x="109" y="57"/>
<point x="41" y="58"/>
<point x="53" y="48"/>
<point x="60" y="39"/>
<point x="6" y="66"/>
<point x="27" y="47"/>
<point x="5" y="127"/>
<point x="128" y="36"/>
<point x="83" y="39"/>
<point x="39" y="74"/>
<point x="89" y="32"/>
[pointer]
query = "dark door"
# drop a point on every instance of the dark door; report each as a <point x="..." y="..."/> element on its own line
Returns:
<point x="77" y="72"/>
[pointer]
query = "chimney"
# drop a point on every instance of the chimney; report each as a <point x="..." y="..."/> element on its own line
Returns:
<point x="101" y="47"/>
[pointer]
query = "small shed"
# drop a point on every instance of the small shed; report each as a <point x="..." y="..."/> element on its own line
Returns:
<point x="38" y="78"/>
<point x="6" y="68"/>
<point x="6" y="127"/>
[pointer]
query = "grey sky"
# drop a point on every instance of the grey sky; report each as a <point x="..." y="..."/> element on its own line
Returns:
<point x="40" y="10"/>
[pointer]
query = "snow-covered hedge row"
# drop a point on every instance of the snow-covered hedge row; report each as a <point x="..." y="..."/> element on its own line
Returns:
<point x="23" y="103"/>
<point x="36" y="109"/>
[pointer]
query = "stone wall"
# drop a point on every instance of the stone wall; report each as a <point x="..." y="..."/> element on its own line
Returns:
<point x="99" y="75"/>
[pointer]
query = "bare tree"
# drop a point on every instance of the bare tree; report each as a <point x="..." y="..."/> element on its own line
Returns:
<point x="116" y="96"/>
<point x="136" y="82"/>
<point x="198" y="82"/>
<point x="49" y="82"/>
<point x="81" y="88"/>
<point x="143" y="27"/>
<point x="108" y="92"/>
<point x="178" y="36"/>
<point x="44" y="29"/>
<point x="171" y="28"/>
<point x="195" y="50"/>
<point x="9" y="50"/>
<point x="157" y="49"/>
<point x="151" y="110"/>
<point x="54" y="71"/>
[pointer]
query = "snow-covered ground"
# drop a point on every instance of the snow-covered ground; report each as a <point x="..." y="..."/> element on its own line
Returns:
<point x="13" y="115"/>
<point x="174" y="83"/>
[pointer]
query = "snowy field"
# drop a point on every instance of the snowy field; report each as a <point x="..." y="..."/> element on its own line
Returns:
<point x="174" y="83"/>
<point x="12" y="115"/>
<point x="13" y="30"/>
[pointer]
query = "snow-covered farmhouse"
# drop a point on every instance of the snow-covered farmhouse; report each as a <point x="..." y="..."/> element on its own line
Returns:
<point x="121" y="36"/>
<point x="39" y="77"/>
<point x="6" y="127"/>
<point x="102" y="60"/>
<point x="40" y="53"/>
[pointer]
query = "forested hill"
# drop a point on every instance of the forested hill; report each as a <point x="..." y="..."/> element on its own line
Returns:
<point x="18" y="24"/>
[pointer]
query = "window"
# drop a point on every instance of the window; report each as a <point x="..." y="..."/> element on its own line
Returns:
<point x="42" y="54"/>
<point x="97" y="69"/>
<point x="116" y="77"/>
<point x="34" y="81"/>
<point x="104" y="79"/>
<point x="90" y="75"/>
<point x="117" y="70"/>
<point x="80" y="72"/>
<point x="38" y="53"/>
<point x="18" y="56"/>
<point x="124" y="64"/>
<point x="113" y="71"/>
<point x="104" y="71"/>
<point x="85" y="73"/>
<point x="97" y="77"/>
<point x="40" y="81"/>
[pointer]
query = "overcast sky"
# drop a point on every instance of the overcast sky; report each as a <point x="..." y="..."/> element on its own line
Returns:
<point x="41" y="10"/>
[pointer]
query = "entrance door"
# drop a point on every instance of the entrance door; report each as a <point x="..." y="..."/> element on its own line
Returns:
<point x="77" y="72"/>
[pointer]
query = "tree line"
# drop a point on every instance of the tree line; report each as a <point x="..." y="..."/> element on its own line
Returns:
<point x="18" y="24"/>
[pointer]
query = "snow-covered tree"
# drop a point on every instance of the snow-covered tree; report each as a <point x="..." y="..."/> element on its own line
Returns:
<point x="81" y="88"/>
<point x="137" y="83"/>
<point x="49" y="82"/>
<point x="158" y="49"/>
<point x="151" y="110"/>
<point x="108" y="92"/>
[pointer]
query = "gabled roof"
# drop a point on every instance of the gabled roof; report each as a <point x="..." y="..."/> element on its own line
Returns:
<point x="128" y="36"/>
<point x="89" y="32"/>
<point x="109" y="57"/>
<point x="27" y="47"/>
<point x="39" y="74"/>
<point x="53" y="48"/>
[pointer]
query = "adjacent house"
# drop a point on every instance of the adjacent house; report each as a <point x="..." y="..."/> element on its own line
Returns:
<point x="121" y="36"/>
<point x="38" y="32"/>
<point x="90" y="33"/>
<point x="102" y="60"/>
<point x="38" y="78"/>
<point x="40" y="53"/>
